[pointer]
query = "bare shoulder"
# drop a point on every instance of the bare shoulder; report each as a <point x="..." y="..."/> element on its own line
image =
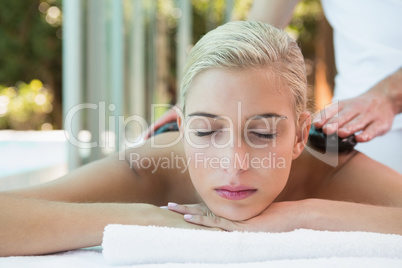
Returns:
<point x="162" y="162"/>
<point x="363" y="180"/>
<point x="112" y="179"/>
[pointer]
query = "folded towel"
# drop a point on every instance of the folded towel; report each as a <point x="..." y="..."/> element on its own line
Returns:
<point x="130" y="244"/>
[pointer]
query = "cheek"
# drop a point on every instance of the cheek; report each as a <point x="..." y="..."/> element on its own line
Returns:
<point x="272" y="166"/>
<point x="197" y="167"/>
<point x="277" y="157"/>
<point x="285" y="146"/>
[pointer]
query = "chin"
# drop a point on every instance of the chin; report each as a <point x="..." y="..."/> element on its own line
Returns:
<point x="235" y="214"/>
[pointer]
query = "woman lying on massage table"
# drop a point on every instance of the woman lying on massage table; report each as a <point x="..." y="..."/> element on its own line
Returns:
<point x="242" y="154"/>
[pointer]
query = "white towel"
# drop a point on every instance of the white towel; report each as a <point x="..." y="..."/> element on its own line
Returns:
<point x="130" y="244"/>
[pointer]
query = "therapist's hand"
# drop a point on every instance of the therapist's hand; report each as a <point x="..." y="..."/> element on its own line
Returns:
<point x="168" y="117"/>
<point x="372" y="112"/>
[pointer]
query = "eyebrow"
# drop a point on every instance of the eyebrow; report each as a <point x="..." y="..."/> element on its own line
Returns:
<point x="206" y="115"/>
<point x="255" y="117"/>
<point x="268" y="115"/>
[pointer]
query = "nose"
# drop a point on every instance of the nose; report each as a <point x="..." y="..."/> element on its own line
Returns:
<point x="239" y="158"/>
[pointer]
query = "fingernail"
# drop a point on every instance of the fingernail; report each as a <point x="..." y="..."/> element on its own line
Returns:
<point x="188" y="216"/>
<point x="363" y="137"/>
<point x="164" y="207"/>
<point x="171" y="204"/>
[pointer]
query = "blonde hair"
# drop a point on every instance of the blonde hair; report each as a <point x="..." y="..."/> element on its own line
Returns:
<point x="249" y="44"/>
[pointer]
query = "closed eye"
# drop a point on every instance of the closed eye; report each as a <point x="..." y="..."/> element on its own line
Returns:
<point x="268" y="136"/>
<point x="203" y="134"/>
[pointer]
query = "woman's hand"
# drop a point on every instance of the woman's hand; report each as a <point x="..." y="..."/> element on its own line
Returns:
<point x="278" y="217"/>
<point x="315" y="214"/>
<point x="164" y="217"/>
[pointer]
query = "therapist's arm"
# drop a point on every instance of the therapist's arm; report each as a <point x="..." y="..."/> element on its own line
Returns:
<point x="275" y="12"/>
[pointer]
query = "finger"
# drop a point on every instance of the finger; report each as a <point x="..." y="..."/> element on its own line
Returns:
<point x="187" y="209"/>
<point x="327" y="113"/>
<point x="168" y="117"/>
<point x="214" y="222"/>
<point x="199" y="206"/>
<point x="320" y="119"/>
<point x="371" y="131"/>
<point x="335" y="123"/>
<point x="147" y="133"/>
<point x="358" y="123"/>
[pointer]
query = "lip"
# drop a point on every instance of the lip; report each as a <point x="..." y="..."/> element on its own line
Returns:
<point x="235" y="192"/>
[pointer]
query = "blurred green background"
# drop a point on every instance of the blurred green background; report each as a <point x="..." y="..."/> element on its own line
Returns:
<point x="31" y="52"/>
<point x="30" y="64"/>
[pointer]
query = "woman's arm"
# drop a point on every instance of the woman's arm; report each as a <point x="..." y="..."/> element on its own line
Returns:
<point x="362" y="195"/>
<point x="316" y="214"/>
<point x="71" y="212"/>
<point x="347" y="216"/>
<point x="33" y="226"/>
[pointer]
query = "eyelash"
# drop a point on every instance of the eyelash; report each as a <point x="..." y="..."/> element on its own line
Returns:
<point x="265" y="136"/>
<point x="259" y="135"/>
<point x="203" y="134"/>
